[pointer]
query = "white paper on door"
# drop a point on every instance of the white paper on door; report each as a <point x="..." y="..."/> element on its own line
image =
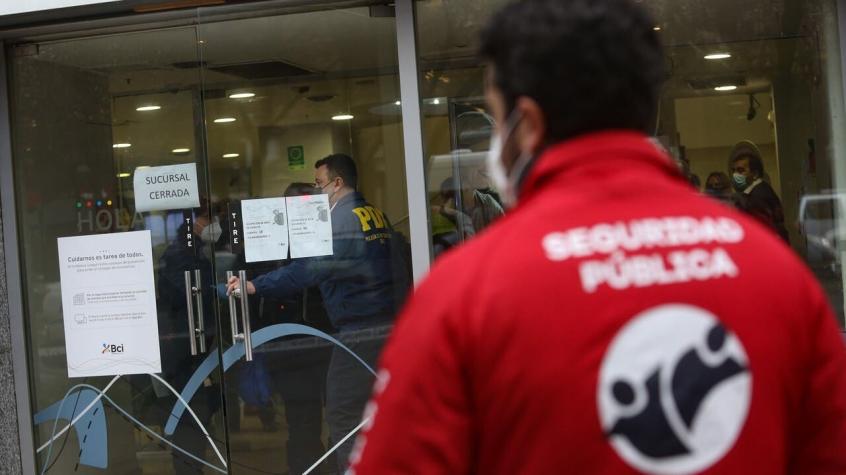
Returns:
<point x="310" y="225"/>
<point x="109" y="304"/>
<point x="167" y="187"/>
<point x="265" y="229"/>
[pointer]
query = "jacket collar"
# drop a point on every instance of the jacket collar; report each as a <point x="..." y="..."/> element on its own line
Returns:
<point x="600" y="149"/>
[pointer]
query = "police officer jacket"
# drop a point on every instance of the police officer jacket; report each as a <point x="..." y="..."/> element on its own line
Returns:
<point x="358" y="282"/>
<point x="615" y="322"/>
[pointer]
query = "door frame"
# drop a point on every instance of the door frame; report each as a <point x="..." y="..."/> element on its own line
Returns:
<point x="414" y="153"/>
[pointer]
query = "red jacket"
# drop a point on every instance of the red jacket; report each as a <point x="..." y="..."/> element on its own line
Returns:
<point x="614" y="322"/>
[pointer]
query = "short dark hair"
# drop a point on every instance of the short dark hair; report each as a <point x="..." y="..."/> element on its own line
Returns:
<point x="340" y="165"/>
<point x="590" y="64"/>
<point x="300" y="189"/>
<point x="756" y="165"/>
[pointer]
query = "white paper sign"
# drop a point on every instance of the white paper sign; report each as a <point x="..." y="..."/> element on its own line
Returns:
<point x="310" y="225"/>
<point x="10" y="7"/>
<point x="265" y="228"/>
<point x="168" y="187"/>
<point x="109" y="304"/>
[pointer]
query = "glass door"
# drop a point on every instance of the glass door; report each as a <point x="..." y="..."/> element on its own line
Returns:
<point x="117" y="233"/>
<point x="305" y="162"/>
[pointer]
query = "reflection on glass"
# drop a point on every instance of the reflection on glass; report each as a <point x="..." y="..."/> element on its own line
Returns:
<point x="304" y="87"/>
<point x="771" y="84"/>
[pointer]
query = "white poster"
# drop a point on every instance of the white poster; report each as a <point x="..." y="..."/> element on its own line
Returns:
<point x="21" y="6"/>
<point x="168" y="187"/>
<point x="109" y="304"/>
<point x="310" y="225"/>
<point x="265" y="229"/>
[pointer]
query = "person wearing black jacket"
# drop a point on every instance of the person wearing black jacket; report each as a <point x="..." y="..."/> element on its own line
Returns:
<point x="755" y="195"/>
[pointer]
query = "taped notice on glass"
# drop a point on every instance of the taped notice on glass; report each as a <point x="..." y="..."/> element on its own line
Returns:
<point x="168" y="187"/>
<point x="265" y="229"/>
<point x="109" y="304"/>
<point x="309" y="225"/>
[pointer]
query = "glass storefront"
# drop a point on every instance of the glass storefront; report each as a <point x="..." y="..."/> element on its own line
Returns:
<point x="765" y="80"/>
<point x="275" y="382"/>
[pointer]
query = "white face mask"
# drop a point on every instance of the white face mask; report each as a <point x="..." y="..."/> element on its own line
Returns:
<point x="504" y="183"/>
<point x="212" y="232"/>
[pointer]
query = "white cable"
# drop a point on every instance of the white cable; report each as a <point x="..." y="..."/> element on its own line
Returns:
<point x="151" y="431"/>
<point x="91" y="404"/>
<point x="196" y="419"/>
<point x="335" y="447"/>
<point x="77" y="418"/>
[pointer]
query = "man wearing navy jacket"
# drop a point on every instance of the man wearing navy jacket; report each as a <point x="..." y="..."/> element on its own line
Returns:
<point x="362" y="285"/>
<point x="615" y="321"/>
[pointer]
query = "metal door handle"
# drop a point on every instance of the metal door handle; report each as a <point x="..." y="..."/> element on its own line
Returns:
<point x="240" y="293"/>
<point x="245" y="315"/>
<point x="189" y="300"/>
<point x="233" y="310"/>
<point x="200" y="332"/>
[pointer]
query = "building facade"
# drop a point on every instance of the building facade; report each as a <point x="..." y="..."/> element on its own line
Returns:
<point x="148" y="149"/>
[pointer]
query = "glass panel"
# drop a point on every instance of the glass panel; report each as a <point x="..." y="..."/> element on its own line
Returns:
<point x="301" y="87"/>
<point x="456" y="123"/>
<point x="767" y="86"/>
<point x="770" y="79"/>
<point x="88" y="115"/>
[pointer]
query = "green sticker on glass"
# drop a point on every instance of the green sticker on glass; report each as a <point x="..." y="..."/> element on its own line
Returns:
<point x="296" y="158"/>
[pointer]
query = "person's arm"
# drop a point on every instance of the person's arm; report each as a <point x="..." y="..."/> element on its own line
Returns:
<point x="820" y="442"/>
<point x="419" y="419"/>
<point x="286" y="282"/>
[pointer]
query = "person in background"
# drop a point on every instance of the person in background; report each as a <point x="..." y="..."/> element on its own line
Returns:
<point x="615" y="321"/>
<point x="718" y="186"/>
<point x="362" y="285"/>
<point x="755" y="195"/>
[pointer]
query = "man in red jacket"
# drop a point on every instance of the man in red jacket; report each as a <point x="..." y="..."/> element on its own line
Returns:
<point x="614" y="321"/>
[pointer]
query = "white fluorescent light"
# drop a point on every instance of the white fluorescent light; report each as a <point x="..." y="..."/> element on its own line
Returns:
<point x="657" y="28"/>
<point x="151" y="107"/>
<point x="715" y="56"/>
<point x="398" y="103"/>
<point x="242" y="95"/>
<point x="141" y="167"/>
<point x="124" y="175"/>
<point x="224" y="120"/>
<point x="180" y="150"/>
<point x="231" y="155"/>
<point x="436" y="101"/>
<point x="343" y="117"/>
<point x="725" y="88"/>
<point x="122" y="145"/>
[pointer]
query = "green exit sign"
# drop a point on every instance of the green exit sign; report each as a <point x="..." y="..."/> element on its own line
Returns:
<point x="296" y="158"/>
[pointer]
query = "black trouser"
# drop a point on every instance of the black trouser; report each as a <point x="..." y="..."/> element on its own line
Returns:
<point x="348" y="388"/>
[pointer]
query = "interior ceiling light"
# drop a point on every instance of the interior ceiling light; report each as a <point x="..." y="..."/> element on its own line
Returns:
<point x="224" y="120"/>
<point x="141" y="167"/>
<point x="398" y="103"/>
<point x="725" y="88"/>
<point x="124" y="175"/>
<point x="242" y="95"/>
<point x="716" y="56"/>
<point x="343" y="117"/>
<point x="122" y="145"/>
<point x="180" y="150"/>
<point x="148" y="108"/>
<point x="657" y="28"/>
<point x="231" y="155"/>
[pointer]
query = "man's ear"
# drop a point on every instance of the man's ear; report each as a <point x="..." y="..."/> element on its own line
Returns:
<point x="531" y="131"/>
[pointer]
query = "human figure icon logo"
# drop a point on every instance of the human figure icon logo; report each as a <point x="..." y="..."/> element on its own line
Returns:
<point x="674" y="390"/>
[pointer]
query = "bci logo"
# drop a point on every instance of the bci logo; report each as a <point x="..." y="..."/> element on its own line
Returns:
<point x="107" y="348"/>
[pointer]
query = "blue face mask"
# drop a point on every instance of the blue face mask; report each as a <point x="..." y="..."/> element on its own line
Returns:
<point x="739" y="181"/>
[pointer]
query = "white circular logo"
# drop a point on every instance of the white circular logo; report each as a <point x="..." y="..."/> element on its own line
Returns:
<point x="674" y="390"/>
